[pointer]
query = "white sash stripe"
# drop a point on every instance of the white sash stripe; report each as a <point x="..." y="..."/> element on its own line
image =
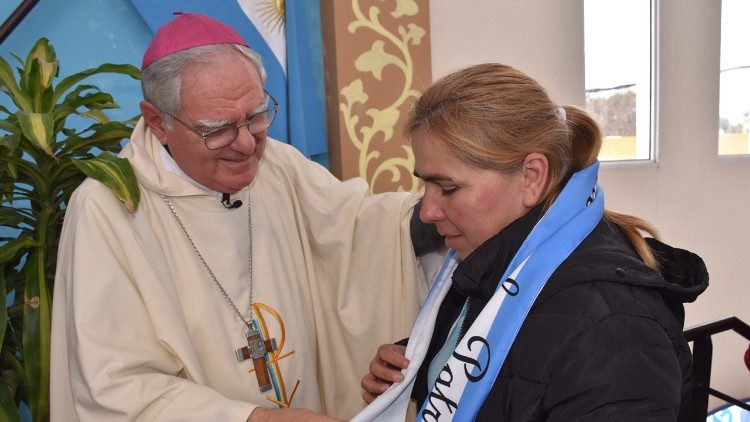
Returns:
<point x="392" y="405"/>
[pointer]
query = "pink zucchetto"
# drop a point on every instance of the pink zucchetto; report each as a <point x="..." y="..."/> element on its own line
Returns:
<point x="188" y="30"/>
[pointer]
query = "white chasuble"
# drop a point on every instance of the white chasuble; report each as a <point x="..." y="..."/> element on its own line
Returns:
<point x="142" y="332"/>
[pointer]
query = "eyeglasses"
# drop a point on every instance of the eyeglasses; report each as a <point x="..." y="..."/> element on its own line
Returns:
<point x="222" y="136"/>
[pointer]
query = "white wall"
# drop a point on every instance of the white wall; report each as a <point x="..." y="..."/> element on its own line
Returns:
<point x="697" y="201"/>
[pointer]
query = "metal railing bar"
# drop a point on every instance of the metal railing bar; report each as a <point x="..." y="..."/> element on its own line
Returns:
<point x="16" y="17"/>
<point x="718" y="326"/>
<point x="729" y="399"/>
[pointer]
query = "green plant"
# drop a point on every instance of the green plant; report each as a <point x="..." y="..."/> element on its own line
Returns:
<point x="41" y="162"/>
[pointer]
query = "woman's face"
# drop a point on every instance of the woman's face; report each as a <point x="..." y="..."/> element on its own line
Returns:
<point x="467" y="205"/>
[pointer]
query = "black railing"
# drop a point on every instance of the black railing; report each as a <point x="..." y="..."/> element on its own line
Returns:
<point x="702" y="355"/>
<point x="16" y="17"/>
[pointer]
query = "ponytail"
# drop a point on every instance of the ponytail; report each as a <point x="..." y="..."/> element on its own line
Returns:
<point x="585" y="138"/>
<point x="586" y="141"/>
<point x="632" y="227"/>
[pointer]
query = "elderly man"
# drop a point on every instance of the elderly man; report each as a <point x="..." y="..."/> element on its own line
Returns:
<point x="250" y="279"/>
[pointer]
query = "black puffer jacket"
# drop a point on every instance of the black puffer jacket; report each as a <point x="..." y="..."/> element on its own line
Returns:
<point x="602" y="342"/>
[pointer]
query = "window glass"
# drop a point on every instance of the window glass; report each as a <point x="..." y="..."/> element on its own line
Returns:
<point x="619" y="83"/>
<point x="734" y="78"/>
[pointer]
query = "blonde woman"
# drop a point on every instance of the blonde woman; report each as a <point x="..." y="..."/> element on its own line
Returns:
<point x="548" y="306"/>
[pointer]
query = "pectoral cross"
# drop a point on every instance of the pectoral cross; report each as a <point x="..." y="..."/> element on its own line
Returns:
<point x="256" y="350"/>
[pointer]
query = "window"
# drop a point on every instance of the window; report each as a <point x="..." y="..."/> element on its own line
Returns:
<point x="734" y="78"/>
<point x="620" y="42"/>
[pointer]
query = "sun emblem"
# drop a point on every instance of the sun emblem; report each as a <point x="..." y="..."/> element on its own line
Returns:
<point x="272" y="14"/>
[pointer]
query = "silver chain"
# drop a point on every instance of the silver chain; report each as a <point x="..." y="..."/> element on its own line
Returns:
<point x="211" y="273"/>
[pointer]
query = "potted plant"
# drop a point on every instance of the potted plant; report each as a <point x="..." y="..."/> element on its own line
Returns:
<point x="41" y="162"/>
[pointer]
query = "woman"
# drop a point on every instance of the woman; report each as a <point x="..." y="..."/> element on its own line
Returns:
<point x="547" y="307"/>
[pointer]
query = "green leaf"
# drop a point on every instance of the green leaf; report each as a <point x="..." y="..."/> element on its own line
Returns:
<point x="32" y="80"/>
<point x="104" y="134"/>
<point x="67" y="83"/>
<point x="8" y="407"/>
<point x="94" y="101"/>
<point x="132" y="121"/>
<point x="11" y="141"/>
<point x="8" y="145"/>
<point x="38" y="128"/>
<point x="8" y="126"/>
<point x="29" y="173"/>
<point x="44" y="54"/>
<point x="19" y="60"/>
<point x="36" y="335"/>
<point x="9" y="217"/>
<point x="117" y="174"/>
<point x="64" y="108"/>
<point x="78" y="90"/>
<point x="8" y="81"/>
<point x="97" y="115"/>
<point x="3" y="323"/>
<point x="9" y="250"/>
<point x="12" y="281"/>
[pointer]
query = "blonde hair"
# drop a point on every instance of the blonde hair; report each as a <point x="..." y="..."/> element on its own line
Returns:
<point x="492" y="116"/>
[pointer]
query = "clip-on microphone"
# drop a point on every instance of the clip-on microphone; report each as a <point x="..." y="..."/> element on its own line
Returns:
<point x="229" y="204"/>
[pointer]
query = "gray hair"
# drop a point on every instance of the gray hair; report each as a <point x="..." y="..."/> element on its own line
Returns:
<point x="161" y="81"/>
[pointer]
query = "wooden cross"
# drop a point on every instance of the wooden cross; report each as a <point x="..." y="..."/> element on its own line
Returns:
<point x="256" y="350"/>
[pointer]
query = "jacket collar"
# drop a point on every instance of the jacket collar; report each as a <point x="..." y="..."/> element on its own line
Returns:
<point x="480" y="272"/>
<point x="604" y="255"/>
<point x="685" y="273"/>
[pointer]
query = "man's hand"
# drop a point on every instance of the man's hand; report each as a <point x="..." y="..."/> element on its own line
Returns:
<point x="293" y="415"/>
<point x="385" y="369"/>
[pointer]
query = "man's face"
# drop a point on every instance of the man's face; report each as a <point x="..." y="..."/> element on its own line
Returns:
<point x="228" y="91"/>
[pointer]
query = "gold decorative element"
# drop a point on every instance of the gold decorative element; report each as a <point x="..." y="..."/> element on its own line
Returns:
<point x="277" y="378"/>
<point x="405" y="8"/>
<point x="384" y="120"/>
<point x="273" y="13"/>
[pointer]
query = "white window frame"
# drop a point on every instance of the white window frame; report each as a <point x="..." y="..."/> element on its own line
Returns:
<point x="650" y="124"/>
<point x="725" y="157"/>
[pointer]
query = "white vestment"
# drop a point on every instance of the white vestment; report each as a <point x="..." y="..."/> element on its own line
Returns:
<point x="141" y="331"/>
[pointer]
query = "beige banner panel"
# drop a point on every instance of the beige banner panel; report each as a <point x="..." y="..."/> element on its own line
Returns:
<point x="377" y="62"/>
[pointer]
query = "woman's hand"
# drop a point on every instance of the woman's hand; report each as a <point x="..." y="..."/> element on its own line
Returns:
<point x="385" y="369"/>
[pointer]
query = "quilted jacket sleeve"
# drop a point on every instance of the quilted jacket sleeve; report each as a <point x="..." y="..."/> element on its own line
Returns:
<point x="622" y="368"/>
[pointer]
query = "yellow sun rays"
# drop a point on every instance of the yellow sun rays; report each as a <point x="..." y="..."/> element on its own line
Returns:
<point x="273" y="14"/>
